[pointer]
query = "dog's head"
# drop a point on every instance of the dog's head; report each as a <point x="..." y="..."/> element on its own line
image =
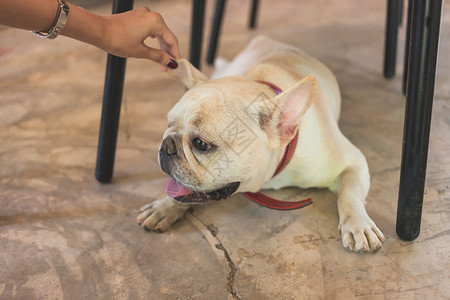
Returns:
<point x="227" y="135"/>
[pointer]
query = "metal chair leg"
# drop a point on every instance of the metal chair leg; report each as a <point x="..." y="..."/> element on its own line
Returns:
<point x="198" y="16"/>
<point x="112" y="99"/>
<point x="253" y="14"/>
<point x="390" y="46"/>
<point x="407" y="45"/>
<point x="215" y="32"/>
<point x="400" y="12"/>
<point x="425" y="25"/>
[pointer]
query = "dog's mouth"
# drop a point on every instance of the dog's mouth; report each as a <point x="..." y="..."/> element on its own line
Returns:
<point x="180" y="193"/>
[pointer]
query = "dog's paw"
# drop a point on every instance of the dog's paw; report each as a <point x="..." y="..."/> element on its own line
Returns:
<point x="360" y="234"/>
<point x="160" y="214"/>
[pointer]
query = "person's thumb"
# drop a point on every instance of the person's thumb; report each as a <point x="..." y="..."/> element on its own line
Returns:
<point x="161" y="57"/>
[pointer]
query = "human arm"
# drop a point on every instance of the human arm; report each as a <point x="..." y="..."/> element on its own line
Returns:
<point x="121" y="34"/>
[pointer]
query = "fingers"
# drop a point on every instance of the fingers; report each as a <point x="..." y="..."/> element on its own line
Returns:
<point x="167" y="40"/>
<point x="143" y="8"/>
<point x="169" y="43"/>
<point x="135" y="27"/>
<point x="159" y="56"/>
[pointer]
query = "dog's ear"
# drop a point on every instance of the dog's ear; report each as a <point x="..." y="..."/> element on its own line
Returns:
<point x="291" y="105"/>
<point x="187" y="73"/>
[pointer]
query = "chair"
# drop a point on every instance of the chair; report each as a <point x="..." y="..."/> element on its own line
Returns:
<point x="423" y="25"/>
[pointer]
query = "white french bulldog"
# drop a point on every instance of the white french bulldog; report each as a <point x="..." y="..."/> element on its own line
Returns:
<point x="228" y="135"/>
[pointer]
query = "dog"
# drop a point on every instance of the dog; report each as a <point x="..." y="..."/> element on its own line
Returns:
<point x="205" y="162"/>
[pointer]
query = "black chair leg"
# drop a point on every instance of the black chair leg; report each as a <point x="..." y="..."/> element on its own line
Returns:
<point x="425" y="23"/>
<point x="215" y="32"/>
<point x="390" y="45"/>
<point x="407" y="42"/>
<point x="400" y="12"/>
<point x="112" y="99"/>
<point x="198" y="16"/>
<point x="253" y="14"/>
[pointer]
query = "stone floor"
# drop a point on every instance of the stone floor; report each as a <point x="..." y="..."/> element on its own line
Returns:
<point x="65" y="236"/>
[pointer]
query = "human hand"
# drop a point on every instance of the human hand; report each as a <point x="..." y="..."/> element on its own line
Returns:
<point x="125" y="33"/>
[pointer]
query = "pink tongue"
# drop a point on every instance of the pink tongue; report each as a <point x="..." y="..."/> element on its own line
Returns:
<point x="174" y="189"/>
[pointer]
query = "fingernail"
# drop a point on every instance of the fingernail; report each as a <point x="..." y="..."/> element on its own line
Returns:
<point x="172" y="64"/>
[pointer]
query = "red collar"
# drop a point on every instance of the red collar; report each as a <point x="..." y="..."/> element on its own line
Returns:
<point x="287" y="156"/>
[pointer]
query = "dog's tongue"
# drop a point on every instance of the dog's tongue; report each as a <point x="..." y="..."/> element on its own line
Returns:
<point x="174" y="189"/>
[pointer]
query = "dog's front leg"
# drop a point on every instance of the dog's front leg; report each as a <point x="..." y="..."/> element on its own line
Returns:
<point x="161" y="214"/>
<point x="359" y="232"/>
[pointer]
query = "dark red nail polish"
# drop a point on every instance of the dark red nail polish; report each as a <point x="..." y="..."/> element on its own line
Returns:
<point x="172" y="64"/>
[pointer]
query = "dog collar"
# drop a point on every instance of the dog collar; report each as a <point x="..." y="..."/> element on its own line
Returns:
<point x="289" y="151"/>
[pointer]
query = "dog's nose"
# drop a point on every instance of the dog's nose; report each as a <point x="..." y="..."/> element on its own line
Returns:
<point x="169" y="146"/>
<point x="167" y="152"/>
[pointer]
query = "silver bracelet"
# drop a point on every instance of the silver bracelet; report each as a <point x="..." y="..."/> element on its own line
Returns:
<point x="58" y="23"/>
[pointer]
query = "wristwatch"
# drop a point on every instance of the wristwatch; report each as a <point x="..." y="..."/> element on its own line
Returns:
<point x="58" y="23"/>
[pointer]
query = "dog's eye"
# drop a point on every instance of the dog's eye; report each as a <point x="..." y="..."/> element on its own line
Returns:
<point x="200" y="145"/>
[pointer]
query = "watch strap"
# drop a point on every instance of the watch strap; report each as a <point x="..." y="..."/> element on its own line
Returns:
<point x="59" y="23"/>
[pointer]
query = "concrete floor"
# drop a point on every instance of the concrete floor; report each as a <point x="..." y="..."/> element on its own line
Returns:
<point x="65" y="236"/>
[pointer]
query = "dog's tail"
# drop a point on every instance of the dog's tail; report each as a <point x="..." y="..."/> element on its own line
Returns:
<point x="220" y="63"/>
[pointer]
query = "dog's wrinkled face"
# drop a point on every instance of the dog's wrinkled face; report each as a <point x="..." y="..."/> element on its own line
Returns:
<point x="224" y="136"/>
